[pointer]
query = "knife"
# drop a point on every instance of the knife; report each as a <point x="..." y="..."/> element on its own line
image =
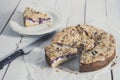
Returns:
<point x="27" y="49"/>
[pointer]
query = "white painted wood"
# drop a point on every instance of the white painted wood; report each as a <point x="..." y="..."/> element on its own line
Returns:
<point x="64" y="7"/>
<point x="2" y="72"/>
<point x="63" y="10"/>
<point x="116" y="73"/>
<point x="104" y="76"/>
<point x="8" y="39"/>
<point x="116" y="67"/>
<point x="17" y="71"/>
<point x="6" y="10"/>
<point x="113" y="15"/>
<point x="113" y="12"/>
<point x="76" y="14"/>
<point x="95" y="10"/>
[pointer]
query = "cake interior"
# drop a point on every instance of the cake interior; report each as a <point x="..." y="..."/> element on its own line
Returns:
<point x="61" y="60"/>
<point x="57" y="54"/>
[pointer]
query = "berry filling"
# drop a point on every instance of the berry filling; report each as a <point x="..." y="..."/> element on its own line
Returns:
<point x="40" y="21"/>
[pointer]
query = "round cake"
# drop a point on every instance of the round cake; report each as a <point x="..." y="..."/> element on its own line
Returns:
<point x="95" y="46"/>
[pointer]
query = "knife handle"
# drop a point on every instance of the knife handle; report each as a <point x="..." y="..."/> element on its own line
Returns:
<point x="11" y="58"/>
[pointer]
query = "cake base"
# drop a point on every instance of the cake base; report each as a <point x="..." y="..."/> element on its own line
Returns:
<point x="96" y="65"/>
<point x="58" y="61"/>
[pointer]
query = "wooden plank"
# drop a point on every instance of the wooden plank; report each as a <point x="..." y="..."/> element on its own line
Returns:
<point x="64" y="7"/>
<point x="3" y="72"/>
<point x="95" y="10"/>
<point x="76" y="14"/>
<point x="6" y="11"/>
<point x="116" y="68"/>
<point x="105" y="76"/>
<point x="8" y="38"/>
<point x="113" y="17"/>
<point x="113" y="12"/>
<point x="6" y="33"/>
<point x="17" y="71"/>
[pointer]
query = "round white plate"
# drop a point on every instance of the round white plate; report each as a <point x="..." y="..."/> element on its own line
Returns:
<point x="17" y="23"/>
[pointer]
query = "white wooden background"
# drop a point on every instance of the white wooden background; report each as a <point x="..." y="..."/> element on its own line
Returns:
<point x="74" y="12"/>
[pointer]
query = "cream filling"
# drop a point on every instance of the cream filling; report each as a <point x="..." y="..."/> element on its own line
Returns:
<point x="30" y="21"/>
<point x="58" y="61"/>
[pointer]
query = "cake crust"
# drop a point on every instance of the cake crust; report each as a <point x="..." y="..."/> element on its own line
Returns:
<point x="57" y="54"/>
<point x="96" y="65"/>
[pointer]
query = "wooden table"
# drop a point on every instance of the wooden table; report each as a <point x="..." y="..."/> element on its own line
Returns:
<point x="74" y="12"/>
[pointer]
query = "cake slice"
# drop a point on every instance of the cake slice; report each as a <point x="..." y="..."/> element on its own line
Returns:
<point x="56" y="54"/>
<point x="32" y="17"/>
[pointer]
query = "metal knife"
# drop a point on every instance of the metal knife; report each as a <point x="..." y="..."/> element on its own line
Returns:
<point x="25" y="50"/>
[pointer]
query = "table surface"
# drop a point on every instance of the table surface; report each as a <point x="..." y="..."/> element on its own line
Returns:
<point x="74" y="12"/>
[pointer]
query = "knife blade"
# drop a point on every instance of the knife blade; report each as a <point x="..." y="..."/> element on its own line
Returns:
<point x="25" y="50"/>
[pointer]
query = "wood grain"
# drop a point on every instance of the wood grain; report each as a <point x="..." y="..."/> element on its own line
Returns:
<point x="5" y="15"/>
<point x="6" y="11"/>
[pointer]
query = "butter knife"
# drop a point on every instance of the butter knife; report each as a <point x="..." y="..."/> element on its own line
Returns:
<point x="25" y="50"/>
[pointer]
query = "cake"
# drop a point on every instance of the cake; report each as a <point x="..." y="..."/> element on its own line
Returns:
<point x="32" y="17"/>
<point x="96" y="47"/>
<point x="60" y="54"/>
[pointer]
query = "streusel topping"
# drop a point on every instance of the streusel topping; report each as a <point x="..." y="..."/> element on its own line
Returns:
<point x="68" y="36"/>
<point x="55" y="50"/>
<point x="33" y="14"/>
<point x="98" y="44"/>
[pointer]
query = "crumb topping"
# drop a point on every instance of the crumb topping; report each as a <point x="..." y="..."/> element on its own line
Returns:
<point x="68" y="36"/>
<point x="98" y="44"/>
<point x="33" y="14"/>
<point x="55" y="50"/>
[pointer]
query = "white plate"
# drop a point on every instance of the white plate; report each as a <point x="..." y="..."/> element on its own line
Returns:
<point x="17" y="24"/>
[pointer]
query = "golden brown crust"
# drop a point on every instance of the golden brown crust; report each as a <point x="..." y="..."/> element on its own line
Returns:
<point x="68" y="36"/>
<point x="48" y="60"/>
<point x="31" y="13"/>
<point x="96" y="65"/>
